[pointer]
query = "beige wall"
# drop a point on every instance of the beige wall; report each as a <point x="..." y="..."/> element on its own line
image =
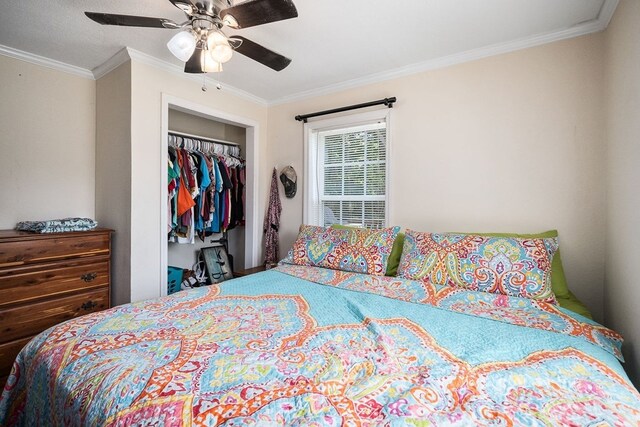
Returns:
<point x="508" y="143"/>
<point x="47" y="143"/>
<point x="184" y="255"/>
<point x="622" y="288"/>
<point x="148" y="85"/>
<point x="113" y="172"/>
<point x="184" y="122"/>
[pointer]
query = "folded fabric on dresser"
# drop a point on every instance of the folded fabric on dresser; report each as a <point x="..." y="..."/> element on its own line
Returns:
<point x="57" y="225"/>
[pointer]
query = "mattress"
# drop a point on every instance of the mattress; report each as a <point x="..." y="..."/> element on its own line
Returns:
<point x="309" y="346"/>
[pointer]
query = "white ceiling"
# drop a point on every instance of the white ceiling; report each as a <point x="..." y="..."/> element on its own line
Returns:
<point x="330" y="43"/>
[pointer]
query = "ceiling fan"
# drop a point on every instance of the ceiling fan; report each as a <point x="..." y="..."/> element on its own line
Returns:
<point x="202" y="44"/>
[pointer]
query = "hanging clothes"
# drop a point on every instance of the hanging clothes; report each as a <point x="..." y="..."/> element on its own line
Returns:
<point x="272" y="224"/>
<point x="203" y="188"/>
<point x="226" y="196"/>
<point x="243" y="180"/>
<point x="217" y="200"/>
<point x="184" y="199"/>
<point x="237" y="198"/>
<point x="204" y="180"/>
<point x="172" y="185"/>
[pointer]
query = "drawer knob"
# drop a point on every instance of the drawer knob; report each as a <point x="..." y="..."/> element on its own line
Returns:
<point x="89" y="277"/>
<point x="88" y="305"/>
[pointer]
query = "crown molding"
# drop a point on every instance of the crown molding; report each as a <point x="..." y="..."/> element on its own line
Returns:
<point x="593" y="26"/>
<point x="111" y="64"/>
<point x="45" y="62"/>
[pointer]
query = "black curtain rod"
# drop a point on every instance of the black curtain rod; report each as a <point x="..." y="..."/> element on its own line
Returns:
<point x="387" y="101"/>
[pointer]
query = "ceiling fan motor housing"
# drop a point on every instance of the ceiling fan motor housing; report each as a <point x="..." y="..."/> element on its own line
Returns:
<point x="204" y="23"/>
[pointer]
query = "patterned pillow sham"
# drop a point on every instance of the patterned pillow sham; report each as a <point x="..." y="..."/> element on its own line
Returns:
<point x="358" y="250"/>
<point x="511" y="266"/>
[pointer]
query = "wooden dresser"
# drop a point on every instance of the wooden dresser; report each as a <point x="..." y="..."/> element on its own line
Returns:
<point x="46" y="279"/>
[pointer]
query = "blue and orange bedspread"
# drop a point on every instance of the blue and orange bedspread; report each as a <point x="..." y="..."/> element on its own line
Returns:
<point x="308" y="346"/>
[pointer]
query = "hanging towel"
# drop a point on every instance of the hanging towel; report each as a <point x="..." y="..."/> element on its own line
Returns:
<point x="272" y="224"/>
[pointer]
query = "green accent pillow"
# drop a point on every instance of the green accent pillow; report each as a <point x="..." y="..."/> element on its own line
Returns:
<point x="394" y="257"/>
<point x="396" y="251"/>
<point x="573" y="303"/>
<point x="558" y="280"/>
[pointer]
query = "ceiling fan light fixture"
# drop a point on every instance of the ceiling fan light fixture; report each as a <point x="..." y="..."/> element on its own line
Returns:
<point x="221" y="53"/>
<point x="219" y="47"/>
<point x="201" y="62"/>
<point x="182" y="45"/>
<point x="211" y="66"/>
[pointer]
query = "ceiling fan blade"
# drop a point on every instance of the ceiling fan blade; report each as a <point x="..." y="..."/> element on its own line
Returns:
<point x="258" y="12"/>
<point x="131" y="21"/>
<point x="261" y="54"/>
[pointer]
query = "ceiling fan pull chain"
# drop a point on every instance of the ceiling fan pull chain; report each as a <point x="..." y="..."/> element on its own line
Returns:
<point x="204" y="82"/>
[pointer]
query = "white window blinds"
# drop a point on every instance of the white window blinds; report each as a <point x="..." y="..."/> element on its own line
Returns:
<point x="351" y="176"/>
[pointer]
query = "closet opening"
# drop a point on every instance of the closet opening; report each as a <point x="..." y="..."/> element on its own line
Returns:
<point x="224" y="146"/>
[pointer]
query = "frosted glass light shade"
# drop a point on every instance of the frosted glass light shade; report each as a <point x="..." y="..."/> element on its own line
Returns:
<point x="215" y="38"/>
<point x="219" y="48"/>
<point x="182" y="45"/>
<point x="221" y="53"/>
<point x="209" y="65"/>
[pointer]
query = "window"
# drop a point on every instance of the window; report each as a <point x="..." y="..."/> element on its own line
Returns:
<point x="347" y="172"/>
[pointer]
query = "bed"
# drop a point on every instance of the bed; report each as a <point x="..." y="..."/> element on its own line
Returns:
<point x="304" y="345"/>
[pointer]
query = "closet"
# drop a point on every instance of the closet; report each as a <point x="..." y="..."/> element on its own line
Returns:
<point x="214" y="212"/>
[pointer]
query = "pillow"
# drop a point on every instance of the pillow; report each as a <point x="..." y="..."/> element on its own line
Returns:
<point x="396" y="251"/>
<point x="505" y="265"/>
<point x="396" y="254"/>
<point x="355" y="249"/>
<point x="558" y="279"/>
<point x="574" y="304"/>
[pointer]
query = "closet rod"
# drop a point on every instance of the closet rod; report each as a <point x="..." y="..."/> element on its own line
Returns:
<point x="203" y="138"/>
<point x="386" y="101"/>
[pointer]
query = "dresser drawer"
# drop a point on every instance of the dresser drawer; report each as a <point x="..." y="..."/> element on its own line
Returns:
<point x="19" y="322"/>
<point x="19" y="252"/>
<point x="8" y="353"/>
<point x="28" y="283"/>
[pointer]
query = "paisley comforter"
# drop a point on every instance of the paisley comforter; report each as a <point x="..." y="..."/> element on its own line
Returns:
<point x="309" y="346"/>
